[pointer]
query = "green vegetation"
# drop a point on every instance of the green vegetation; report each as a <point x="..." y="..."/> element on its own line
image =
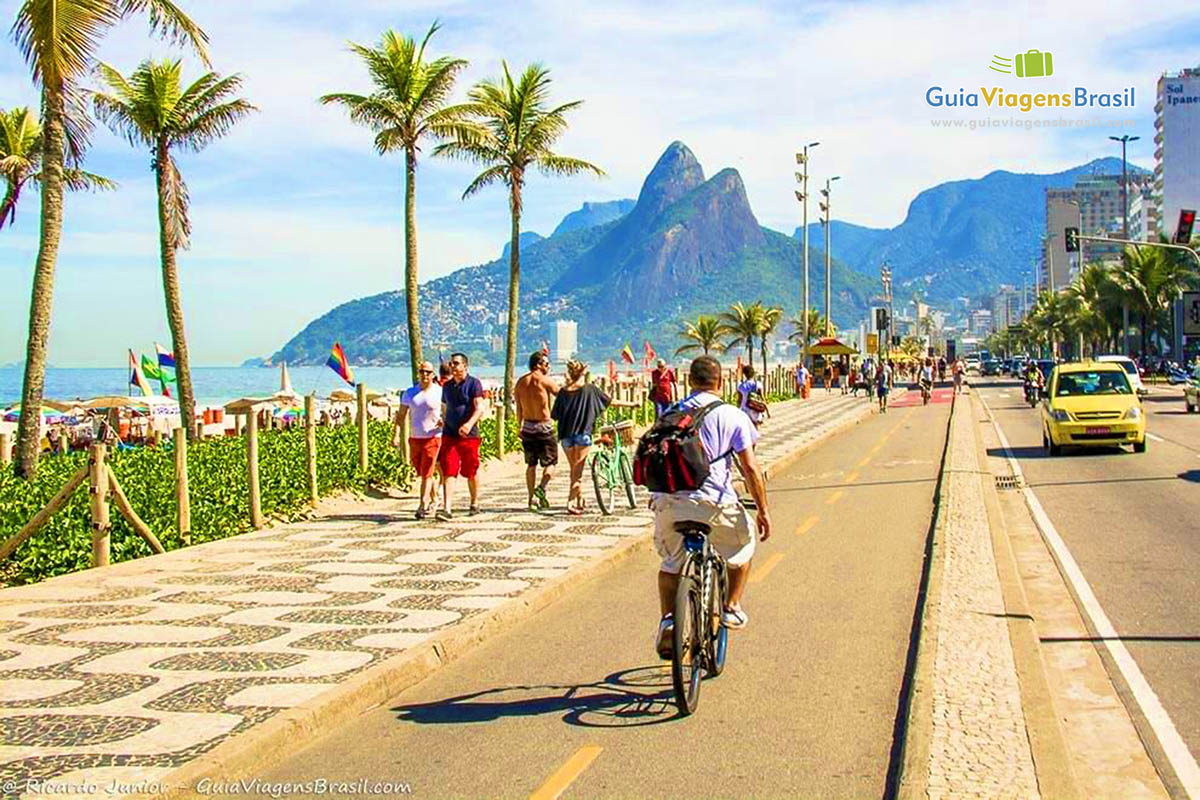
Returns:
<point x="219" y="494"/>
<point x="406" y="107"/>
<point x="152" y="108"/>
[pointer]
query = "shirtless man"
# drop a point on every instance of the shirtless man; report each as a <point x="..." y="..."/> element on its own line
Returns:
<point x="533" y="394"/>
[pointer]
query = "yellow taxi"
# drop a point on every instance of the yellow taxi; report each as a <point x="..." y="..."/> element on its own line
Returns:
<point x="1091" y="403"/>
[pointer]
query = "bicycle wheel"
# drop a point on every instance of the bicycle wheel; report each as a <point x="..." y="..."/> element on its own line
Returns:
<point x="687" y="656"/>
<point x="718" y="634"/>
<point x="602" y="481"/>
<point x="627" y="477"/>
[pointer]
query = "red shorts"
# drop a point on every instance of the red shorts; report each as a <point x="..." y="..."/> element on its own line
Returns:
<point x="459" y="456"/>
<point x="423" y="453"/>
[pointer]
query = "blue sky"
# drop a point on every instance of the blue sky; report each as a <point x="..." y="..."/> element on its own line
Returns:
<point x="294" y="213"/>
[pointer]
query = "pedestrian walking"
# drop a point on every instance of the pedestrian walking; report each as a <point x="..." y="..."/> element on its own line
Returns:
<point x="801" y="380"/>
<point x="827" y="377"/>
<point x="854" y="381"/>
<point x="533" y="393"/>
<point x="662" y="387"/>
<point x="883" y="385"/>
<point x="462" y="400"/>
<point x="423" y="401"/>
<point x="958" y="376"/>
<point x="750" y="397"/>
<point x="869" y="377"/>
<point x="576" y="408"/>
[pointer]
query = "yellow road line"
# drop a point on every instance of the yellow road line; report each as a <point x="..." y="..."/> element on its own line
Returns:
<point x="762" y="572"/>
<point x="865" y="461"/>
<point x="852" y="477"/>
<point x="807" y="525"/>
<point x="833" y="498"/>
<point x="557" y="783"/>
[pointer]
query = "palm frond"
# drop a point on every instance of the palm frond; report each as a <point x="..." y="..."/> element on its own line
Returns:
<point x="494" y="174"/>
<point x="212" y="124"/>
<point x="177" y="201"/>
<point x="78" y="180"/>
<point x="59" y="38"/>
<point x="550" y="164"/>
<point x="170" y="22"/>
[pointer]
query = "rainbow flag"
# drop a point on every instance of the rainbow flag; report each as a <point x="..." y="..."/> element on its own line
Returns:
<point x="627" y="354"/>
<point x="165" y="357"/>
<point x="340" y="364"/>
<point x="136" y="378"/>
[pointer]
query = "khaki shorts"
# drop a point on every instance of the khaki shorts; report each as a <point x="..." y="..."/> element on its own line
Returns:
<point x="731" y="531"/>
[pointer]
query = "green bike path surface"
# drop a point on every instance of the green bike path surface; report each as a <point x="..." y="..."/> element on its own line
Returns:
<point x="573" y="702"/>
<point x="129" y="672"/>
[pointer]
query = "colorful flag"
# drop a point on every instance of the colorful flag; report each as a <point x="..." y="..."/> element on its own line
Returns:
<point x="150" y="369"/>
<point x="627" y="354"/>
<point x="545" y="348"/>
<point x="649" y="350"/>
<point x="165" y="357"/>
<point x="340" y="364"/>
<point x="612" y="371"/>
<point x="136" y="378"/>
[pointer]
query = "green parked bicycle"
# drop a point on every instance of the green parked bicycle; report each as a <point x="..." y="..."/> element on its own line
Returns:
<point x="612" y="466"/>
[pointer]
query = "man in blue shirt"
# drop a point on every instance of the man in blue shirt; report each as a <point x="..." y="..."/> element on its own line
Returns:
<point x="462" y="397"/>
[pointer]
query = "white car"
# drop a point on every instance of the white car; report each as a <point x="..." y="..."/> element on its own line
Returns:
<point x="1131" y="371"/>
<point x="971" y="362"/>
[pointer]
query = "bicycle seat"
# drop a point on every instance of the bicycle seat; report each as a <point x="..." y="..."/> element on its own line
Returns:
<point x="702" y="528"/>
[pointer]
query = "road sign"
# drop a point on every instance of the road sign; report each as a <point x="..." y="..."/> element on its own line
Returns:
<point x="872" y="342"/>
<point x="1191" y="313"/>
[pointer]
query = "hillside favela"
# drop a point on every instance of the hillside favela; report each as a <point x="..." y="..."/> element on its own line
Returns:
<point x="622" y="400"/>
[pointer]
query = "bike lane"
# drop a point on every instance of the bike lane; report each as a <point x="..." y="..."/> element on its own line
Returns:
<point x="573" y="702"/>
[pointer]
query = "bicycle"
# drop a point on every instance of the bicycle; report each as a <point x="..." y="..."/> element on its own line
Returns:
<point x="612" y="466"/>
<point x="698" y="648"/>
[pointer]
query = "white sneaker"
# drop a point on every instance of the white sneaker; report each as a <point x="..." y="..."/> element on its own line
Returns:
<point x="734" y="617"/>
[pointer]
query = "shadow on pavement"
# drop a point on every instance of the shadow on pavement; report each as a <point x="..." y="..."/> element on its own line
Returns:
<point x="1190" y="475"/>
<point x="630" y="698"/>
<point x="1059" y="639"/>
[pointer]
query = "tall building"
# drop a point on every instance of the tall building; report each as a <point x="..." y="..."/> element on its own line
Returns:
<point x="1007" y="309"/>
<point x="1094" y="205"/>
<point x="1142" y="218"/>
<point x="980" y="323"/>
<point x="565" y="339"/>
<point x="1176" y="148"/>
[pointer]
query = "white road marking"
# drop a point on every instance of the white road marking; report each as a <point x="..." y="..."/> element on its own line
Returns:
<point x="1176" y="750"/>
<point x="1155" y="438"/>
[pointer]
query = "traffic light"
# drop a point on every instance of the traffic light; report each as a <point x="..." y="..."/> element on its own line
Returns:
<point x="1072" y="239"/>
<point x="1187" y="218"/>
<point x="881" y="319"/>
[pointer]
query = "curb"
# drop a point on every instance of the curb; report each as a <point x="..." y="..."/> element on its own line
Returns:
<point x="915" y="727"/>
<point x="261" y="746"/>
<point x="1047" y="742"/>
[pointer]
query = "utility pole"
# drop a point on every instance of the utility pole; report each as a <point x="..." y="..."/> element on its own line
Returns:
<point x="1125" y="140"/>
<point x="802" y="196"/>
<point x="885" y="277"/>
<point x="825" y="208"/>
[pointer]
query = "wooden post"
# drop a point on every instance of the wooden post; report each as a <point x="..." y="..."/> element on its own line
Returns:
<point x="98" y="489"/>
<point x="126" y="508"/>
<point x="310" y="445"/>
<point x="183" y="500"/>
<point x="362" y="426"/>
<point x="5" y="451"/>
<point x="41" y="517"/>
<point x="199" y="430"/>
<point x="499" y="431"/>
<point x="256" y="519"/>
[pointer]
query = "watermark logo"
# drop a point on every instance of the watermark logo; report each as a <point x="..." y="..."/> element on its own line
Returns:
<point x="1030" y="64"/>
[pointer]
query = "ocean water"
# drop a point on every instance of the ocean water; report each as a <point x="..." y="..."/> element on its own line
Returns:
<point x="213" y="385"/>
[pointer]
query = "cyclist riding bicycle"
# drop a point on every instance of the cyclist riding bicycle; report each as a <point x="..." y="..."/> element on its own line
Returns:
<point x="725" y="433"/>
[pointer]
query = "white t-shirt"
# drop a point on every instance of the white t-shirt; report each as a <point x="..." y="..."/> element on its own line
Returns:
<point x="426" y="410"/>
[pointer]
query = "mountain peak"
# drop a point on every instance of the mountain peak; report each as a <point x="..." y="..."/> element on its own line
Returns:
<point x="676" y="173"/>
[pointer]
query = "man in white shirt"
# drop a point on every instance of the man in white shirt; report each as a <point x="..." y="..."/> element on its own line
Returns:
<point x="726" y="433"/>
<point x="424" y="402"/>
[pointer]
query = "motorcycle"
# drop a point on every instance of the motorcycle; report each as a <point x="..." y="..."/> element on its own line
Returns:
<point x="1032" y="393"/>
<point x="1176" y="374"/>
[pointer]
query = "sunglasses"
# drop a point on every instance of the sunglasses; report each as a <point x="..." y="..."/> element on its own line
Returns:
<point x="425" y="371"/>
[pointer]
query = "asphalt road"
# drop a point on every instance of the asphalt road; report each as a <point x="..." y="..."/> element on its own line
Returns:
<point x="574" y="699"/>
<point x="1129" y="520"/>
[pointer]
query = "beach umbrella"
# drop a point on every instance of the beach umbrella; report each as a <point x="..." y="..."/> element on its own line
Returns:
<point x="50" y="416"/>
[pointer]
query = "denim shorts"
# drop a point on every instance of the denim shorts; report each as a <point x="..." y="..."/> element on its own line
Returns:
<point x="578" y="440"/>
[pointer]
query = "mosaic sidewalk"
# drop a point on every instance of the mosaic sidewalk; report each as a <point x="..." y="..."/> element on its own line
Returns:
<point x="127" y="672"/>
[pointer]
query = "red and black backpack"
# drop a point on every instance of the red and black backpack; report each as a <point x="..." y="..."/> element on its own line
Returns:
<point x="670" y="456"/>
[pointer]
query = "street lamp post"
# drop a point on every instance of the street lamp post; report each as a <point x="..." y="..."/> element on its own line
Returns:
<point x="802" y="196"/>
<point x="825" y="207"/>
<point x="1125" y="140"/>
<point x="885" y="277"/>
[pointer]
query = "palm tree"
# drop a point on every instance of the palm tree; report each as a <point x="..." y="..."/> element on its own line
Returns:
<point x="21" y="160"/>
<point x="151" y="108"/>
<point x="508" y="126"/>
<point x="407" y="105"/>
<point x="704" y="334"/>
<point x="1150" y="280"/>
<point x="59" y="39"/>
<point x="743" y="323"/>
<point x="771" y="316"/>
<point x="816" y="326"/>
<point x="1094" y="304"/>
